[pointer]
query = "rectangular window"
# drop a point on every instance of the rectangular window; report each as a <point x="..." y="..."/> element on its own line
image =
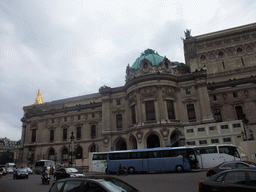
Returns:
<point x="190" y="130"/>
<point x="51" y="135"/>
<point x="214" y="98"/>
<point x="191" y="143"/>
<point x="223" y="65"/>
<point x="202" y="129"/>
<point x="170" y="109"/>
<point x="227" y="139"/>
<point x="65" y="135"/>
<point x="78" y="132"/>
<point x="239" y="112"/>
<point x="33" y="137"/>
<point x="188" y="91"/>
<point x="237" y="125"/>
<point x="65" y="119"/>
<point x="235" y="94"/>
<point x="217" y="115"/>
<point x="119" y="121"/>
<point x="78" y="117"/>
<point x="224" y="126"/>
<point x="191" y="112"/>
<point x="242" y="61"/>
<point x="150" y="111"/>
<point x="212" y="128"/>
<point x="118" y="102"/>
<point x="93" y="131"/>
<point x="133" y="114"/>
<point x="52" y="120"/>
<point x="215" y="140"/>
<point x="202" y="142"/>
<point x="93" y="115"/>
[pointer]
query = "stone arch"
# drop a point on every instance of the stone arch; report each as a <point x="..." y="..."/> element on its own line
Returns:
<point x="64" y="154"/>
<point x="153" y="140"/>
<point x="120" y="144"/>
<point x="79" y="152"/>
<point x="133" y="142"/>
<point x="93" y="148"/>
<point x="51" y="154"/>
<point x="176" y="138"/>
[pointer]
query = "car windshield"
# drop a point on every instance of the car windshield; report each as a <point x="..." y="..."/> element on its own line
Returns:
<point x="73" y="170"/>
<point x="116" y="185"/>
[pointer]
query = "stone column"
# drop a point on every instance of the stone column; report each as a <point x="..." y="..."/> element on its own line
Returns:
<point x="139" y="114"/>
<point x="106" y="114"/>
<point x="204" y="101"/>
<point x="161" y="107"/>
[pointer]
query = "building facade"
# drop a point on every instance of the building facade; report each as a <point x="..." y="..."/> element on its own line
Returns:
<point x="11" y="146"/>
<point x="209" y="100"/>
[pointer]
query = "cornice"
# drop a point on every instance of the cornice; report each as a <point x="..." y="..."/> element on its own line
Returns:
<point x="231" y="83"/>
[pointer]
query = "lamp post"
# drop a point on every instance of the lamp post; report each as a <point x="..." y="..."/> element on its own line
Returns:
<point x="72" y="147"/>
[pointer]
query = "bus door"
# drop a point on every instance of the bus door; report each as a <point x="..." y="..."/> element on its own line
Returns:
<point x="155" y="161"/>
<point x="144" y="157"/>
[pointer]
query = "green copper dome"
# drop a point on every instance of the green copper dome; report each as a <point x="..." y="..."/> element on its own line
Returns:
<point x="150" y="55"/>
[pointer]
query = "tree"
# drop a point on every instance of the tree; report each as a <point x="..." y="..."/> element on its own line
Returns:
<point x="6" y="157"/>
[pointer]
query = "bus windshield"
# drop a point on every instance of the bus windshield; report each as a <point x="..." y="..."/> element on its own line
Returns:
<point x="230" y="150"/>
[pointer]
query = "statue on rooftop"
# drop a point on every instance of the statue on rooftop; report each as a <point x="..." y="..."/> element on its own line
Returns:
<point x="39" y="99"/>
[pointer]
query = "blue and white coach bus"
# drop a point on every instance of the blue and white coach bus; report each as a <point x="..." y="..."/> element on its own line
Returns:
<point x="155" y="159"/>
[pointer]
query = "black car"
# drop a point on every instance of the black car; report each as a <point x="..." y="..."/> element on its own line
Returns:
<point x="230" y="180"/>
<point x="229" y="165"/>
<point x="67" y="172"/>
<point x="91" y="184"/>
<point x="20" y="173"/>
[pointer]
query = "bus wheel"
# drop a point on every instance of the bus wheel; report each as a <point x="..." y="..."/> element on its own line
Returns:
<point x="131" y="170"/>
<point x="179" y="168"/>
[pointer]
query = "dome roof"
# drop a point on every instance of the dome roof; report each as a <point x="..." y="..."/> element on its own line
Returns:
<point x="150" y="55"/>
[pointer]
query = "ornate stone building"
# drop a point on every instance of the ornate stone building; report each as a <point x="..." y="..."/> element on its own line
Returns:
<point x="162" y="103"/>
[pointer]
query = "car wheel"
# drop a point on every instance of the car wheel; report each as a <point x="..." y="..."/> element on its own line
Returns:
<point x="179" y="168"/>
<point x="131" y="170"/>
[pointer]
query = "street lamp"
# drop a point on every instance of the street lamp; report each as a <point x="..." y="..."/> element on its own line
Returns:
<point x="72" y="147"/>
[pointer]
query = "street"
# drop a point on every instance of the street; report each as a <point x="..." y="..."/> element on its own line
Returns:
<point x="151" y="182"/>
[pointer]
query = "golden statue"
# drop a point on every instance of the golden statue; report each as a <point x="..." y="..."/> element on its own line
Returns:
<point x="39" y="99"/>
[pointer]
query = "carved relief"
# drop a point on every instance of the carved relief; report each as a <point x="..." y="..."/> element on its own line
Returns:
<point x="132" y="97"/>
<point x="148" y="92"/>
<point x="168" y="92"/>
<point x="106" y="141"/>
<point x="139" y="136"/>
<point x="34" y="124"/>
<point x="165" y="133"/>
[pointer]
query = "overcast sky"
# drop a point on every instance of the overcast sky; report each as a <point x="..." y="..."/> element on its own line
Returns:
<point x="70" y="48"/>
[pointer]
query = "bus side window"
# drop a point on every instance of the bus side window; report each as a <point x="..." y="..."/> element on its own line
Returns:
<point x="167" y="153"/>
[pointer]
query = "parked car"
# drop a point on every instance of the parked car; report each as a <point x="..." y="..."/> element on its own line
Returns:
<point x="9" y="170"/>
<point x="229" y="165"/>
<point x="20" y="173"/>
<point x="29" y="170"/>
<point x="230" y="180"/>
<point x="66" y="173"/>
<point x="92" y="183"/>
<point x="2" y="171"/>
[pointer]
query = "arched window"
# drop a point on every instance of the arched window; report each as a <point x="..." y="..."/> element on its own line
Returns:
<point x="79" y="153"/>
<point x="51" y="154"/>
<point x="64" y="154"/>
<point x="93" y="148"/>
